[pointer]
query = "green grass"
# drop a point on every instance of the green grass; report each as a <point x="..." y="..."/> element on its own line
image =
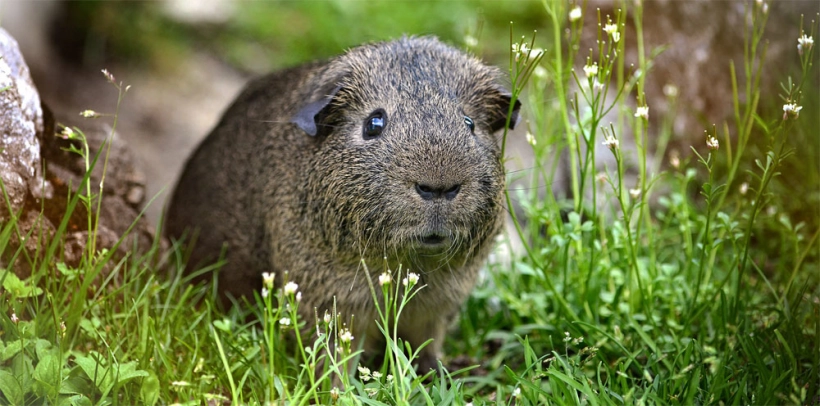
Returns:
<point x="709" y="296"/>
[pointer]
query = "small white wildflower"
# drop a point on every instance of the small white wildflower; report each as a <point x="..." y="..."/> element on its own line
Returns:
<point x="712" y="143"/>
<point x="108" y="76"/>
<point x="520" y="49"/>
<point x="567" y="337"/>
<point x="612" y="30"/>
<point x="635" y="193"/>
<point x="371" y="391"/>
<point x="804" y="42"/>
<point x="744" y="188"/>
<point x="575" y="14"/>
<point x="285" y="321"/>
<point x="670" y="90"/>
<point x="674" y="160"/>
<point x="577" y="340"/>
<point x="591" y="70"/>
<point x="89" y="114"/>
<point x="531" y="139"/>
<point x="377" y="375"/>
<point x="412" y="279"/>
<point x="596" y="85"/>
<point x="345" y="336"/>
<point x="540" y="72"/>
<point x="364" y="373"/>
<point x="389" y="378"/>
<point x="384" y="279"/>
<point x="611" y="142"/>
<point x="791" y="109"/>
<point x="265" y="292"/>
<point x="291" y="288"/>
<point x="267" y="279"/>
<point x="642" y="112"/>
<point x="334" y="393"/>
<point x="14" y="318"/>
<point x="601" y="177"/>
<point x="517" y="393"/>
<point x="470" y="41"/>
<point x="67" y="133"/>
<point x="771" y="210"/>
<point x="326" y="318"/>
<point x="299" y="296"/>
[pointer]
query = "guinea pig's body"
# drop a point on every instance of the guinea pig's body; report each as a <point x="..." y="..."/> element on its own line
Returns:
<point x="386" y="154"/>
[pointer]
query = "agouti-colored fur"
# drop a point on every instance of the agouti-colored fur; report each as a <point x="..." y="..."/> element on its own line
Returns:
<point x="387" y="154"/>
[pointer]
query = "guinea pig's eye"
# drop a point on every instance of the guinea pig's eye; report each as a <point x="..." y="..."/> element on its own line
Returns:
<point x="470" y="123"/>
<point x="374" y="124"/>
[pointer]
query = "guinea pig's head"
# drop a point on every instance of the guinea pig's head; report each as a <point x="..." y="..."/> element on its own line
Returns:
<point x="407" y="163"/>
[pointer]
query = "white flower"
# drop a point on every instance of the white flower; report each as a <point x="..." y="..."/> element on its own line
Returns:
<point x="635" y="193"/>
<point x="89" y="114"/>
<point x="326" y="318"/>
<point x="596" y="85"/>
<point x="412" y="279"/>
<point x="470" y="41"/>
<point x="384" y="279"/>
<point x="285" y="321"/>
<point x="744" y="188"/>
<point x="377" y="375"/>
<point x="291" y="288"/>
<point x="14" y="318"/>
<point x="265" y="292"/>
<point x="517" y="393"/>
<point x="670" y="90"/>
<point x="521" y="48"/>
<point x="567" y="337"/>
<point x="298" y="296"/>
<point x="334" y="393"/>
<point x="540" y="72"/>
<point x="345" y="336"/>
<point x="612" y="30"/>
<point x="575" y="14"/>
<point x="531" y="139"/>
<point x="591" y="70"/>
<point x="791" y="109"/>
<point x="804" y="42"/>
<point x="642" y="112"/>
<point x="674" y="160"/>
<point x="712" y="143"/>
<point x="267" y="279"/>
<point x="67" y="133"/>
<point x="364" y="373"/>
<point x="611" y="142"/>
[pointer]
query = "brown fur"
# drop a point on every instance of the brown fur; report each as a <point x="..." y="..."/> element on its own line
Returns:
<point x="316" y="206"/>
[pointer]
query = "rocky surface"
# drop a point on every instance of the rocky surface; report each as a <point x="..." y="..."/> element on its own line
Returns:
<point x="39" y="173"/>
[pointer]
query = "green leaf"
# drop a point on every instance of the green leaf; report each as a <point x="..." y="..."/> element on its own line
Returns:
<point x="47" y="374"/>
<point x="149" y="391"/>
<point x="10" y="388"/>
<point x="11" y="350"/>
<point x="18" y="288"/>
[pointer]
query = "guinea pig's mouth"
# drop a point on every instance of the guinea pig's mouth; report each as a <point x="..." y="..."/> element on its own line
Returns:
<point x="434" y="240"/>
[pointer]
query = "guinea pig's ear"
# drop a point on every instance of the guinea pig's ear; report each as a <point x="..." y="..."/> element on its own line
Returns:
<point x="310" y="117"/>
<point x="500" y="108"/>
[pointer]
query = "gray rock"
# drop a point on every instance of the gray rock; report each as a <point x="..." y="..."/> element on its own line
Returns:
<point x="21" y="118"/>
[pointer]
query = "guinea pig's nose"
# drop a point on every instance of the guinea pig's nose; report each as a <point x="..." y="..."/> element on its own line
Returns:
<point x="428" y="192"/>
